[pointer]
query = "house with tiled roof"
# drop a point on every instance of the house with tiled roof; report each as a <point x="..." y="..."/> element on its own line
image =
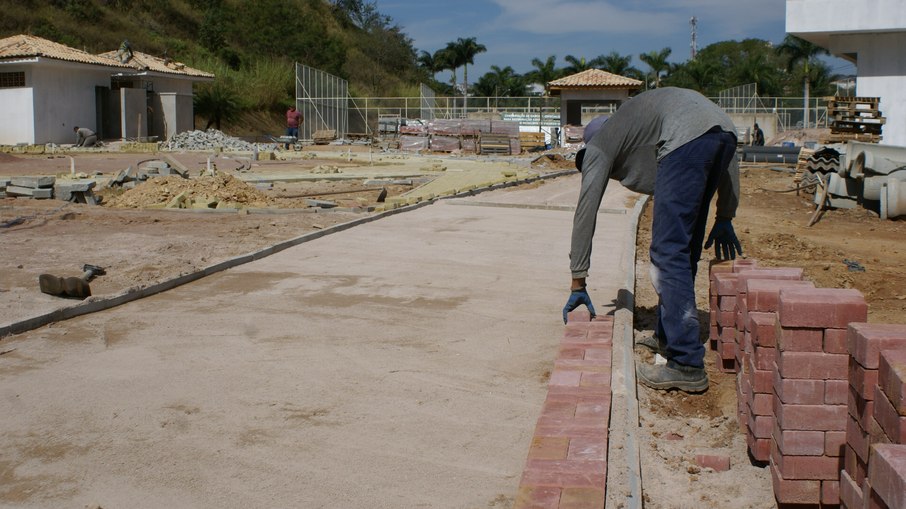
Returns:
<point x="47" y="88"/>
<point x="591" y="93"/>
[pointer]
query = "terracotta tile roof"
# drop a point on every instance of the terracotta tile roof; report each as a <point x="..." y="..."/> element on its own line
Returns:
<point x="594" y="78"/>
<point x="146" y="62"/>
<point x="29" y="46"/>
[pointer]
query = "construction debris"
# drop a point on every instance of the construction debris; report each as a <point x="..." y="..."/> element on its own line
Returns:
<point x="74" y="287"/>
<point x="220" y="191"/>
<point x="40" y="188"/>
<point x="212" y="139"/>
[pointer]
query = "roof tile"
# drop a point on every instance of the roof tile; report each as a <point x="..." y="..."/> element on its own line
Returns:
<point x="26" y="46"/>
<point x="594" y="78"/>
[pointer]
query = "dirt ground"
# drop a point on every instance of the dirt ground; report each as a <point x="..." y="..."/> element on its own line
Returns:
<point x="772" y="228"/>
<point x="139" y="243"/>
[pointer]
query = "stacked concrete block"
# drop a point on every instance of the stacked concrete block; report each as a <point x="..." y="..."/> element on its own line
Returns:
<point x="869" y="403"/>
<point x="756" y="377"/>
<point x="77" y="191"/>
<point x="40" y="188"/>
<point x="810" y="391"/>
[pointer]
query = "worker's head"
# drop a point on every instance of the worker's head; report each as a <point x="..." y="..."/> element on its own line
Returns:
<point x="76" y="128"/>
<point x="756" y="125"/>
<point x="590" y="131"/>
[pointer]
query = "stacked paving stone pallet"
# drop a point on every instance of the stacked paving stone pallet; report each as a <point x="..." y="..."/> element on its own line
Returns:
<point x="448" y="135"/>
<point x="876" y="418"/>
<point x="567" y="461"/>
<point x="810" y="376"/>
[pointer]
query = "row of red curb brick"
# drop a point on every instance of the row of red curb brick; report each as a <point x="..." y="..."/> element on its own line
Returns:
<point x="566" y="466"/>
<point x="805" y="395"/>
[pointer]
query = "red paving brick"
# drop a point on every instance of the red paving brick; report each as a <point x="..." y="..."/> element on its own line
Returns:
<point x="566" y="467"/>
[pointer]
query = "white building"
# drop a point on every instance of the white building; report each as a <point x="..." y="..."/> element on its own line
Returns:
<point x="871" y="34"/>
<point x="46" y="89"/>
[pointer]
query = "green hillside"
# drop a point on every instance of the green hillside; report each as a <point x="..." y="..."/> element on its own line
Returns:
<point x="249" y="45"/>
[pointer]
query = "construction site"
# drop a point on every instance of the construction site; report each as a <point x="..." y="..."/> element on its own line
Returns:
<point x="368" y="315"/>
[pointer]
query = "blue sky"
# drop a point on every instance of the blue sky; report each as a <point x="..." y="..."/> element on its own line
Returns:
<point x="515" y="31"/>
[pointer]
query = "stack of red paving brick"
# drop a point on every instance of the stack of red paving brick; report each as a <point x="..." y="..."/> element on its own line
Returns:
<point x="759" y="345"/>
<point x="810" y="390"/>
<point x="722" y="296"/>
<point x="876" y="417"/>
<point x="822" y="395"/>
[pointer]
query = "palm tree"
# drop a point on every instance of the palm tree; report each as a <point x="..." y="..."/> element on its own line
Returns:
<point x="799" y="50"/>
<point x="500" y="83"/>
<point x="615" y="63"/>
<point x="544" y="72"/>
<point x="467" y="49"/>
<point x="657" y="61"/>
<point x="576" y="64"/>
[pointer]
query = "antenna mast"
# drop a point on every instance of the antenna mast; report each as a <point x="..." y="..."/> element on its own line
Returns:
<point x="694" y="45"/>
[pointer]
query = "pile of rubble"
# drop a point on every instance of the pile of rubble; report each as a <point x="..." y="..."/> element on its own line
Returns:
<point x="211" y="139"/>
<point x="219" y="191"/>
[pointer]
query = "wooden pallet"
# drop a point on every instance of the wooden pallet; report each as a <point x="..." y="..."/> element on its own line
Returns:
<point x="494" y="144"/>
<point x="532" y="141"/>
<point x="844" y="137"/>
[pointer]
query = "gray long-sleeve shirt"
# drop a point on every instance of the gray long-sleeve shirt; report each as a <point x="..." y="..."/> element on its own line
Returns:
<point x="629" y="146"/>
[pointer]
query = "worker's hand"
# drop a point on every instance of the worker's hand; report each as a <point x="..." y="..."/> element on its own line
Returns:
<point x="726" y="245"/>
<point x="576" y="299"/>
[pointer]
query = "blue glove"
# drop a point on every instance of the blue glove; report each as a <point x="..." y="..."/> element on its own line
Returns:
<point x="726" y="245"/>
<point x="576" y="299"/>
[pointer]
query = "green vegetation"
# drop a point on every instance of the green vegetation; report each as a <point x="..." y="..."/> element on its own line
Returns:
<point x="251" y="46"/>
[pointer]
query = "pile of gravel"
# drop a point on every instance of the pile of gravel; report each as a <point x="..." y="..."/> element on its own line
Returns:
<point x="207" y="140"/>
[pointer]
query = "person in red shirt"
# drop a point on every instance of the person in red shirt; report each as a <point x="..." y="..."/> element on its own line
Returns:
<point x="293" y="121"/>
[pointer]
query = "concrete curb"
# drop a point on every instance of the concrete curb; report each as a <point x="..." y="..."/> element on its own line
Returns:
<point x="624" y="476"/>
<point x="100" y="303"/>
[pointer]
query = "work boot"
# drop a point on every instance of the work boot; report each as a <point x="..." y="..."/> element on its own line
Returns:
<point x="673" y="376"/>
<point x="653" y="343"/>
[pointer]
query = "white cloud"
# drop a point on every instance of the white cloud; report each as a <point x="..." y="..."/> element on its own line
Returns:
<point x="656" y="18"/>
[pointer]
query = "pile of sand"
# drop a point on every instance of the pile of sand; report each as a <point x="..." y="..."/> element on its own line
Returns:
<point x="215" y="192"/>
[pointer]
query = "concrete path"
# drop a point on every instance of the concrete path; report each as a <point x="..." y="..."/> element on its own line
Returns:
<point x="401" y="363"/>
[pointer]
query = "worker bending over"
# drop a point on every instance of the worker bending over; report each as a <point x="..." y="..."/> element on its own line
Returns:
<point x="85" y="137"/>
<point x="678" y="146"/>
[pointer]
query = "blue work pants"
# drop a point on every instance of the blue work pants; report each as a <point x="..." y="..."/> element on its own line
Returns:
<point x="686" y="181"/>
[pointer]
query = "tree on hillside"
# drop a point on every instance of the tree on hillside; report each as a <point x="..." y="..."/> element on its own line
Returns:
<point x="544" y="72"/>
<point x="657" y="62"/>
<point x="800" y="51"/>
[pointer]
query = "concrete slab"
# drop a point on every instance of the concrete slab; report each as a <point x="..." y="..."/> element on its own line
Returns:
<point x="400" y="363"/>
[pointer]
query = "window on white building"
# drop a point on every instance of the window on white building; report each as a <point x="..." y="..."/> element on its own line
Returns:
<point x="12" y="79"/>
